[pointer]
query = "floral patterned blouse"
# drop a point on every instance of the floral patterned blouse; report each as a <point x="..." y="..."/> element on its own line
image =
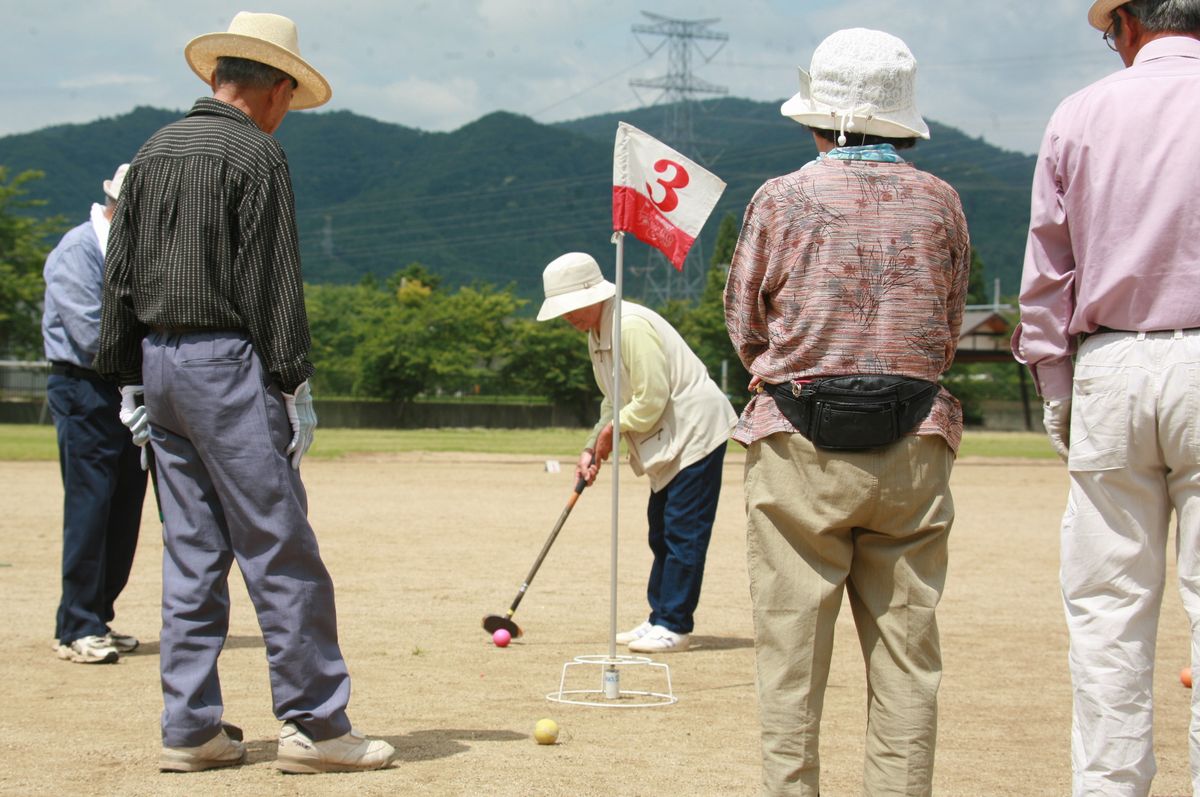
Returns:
<point x="849" y="265"/>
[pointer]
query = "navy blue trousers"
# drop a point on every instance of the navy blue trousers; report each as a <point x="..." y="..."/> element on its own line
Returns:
<point x="681" y="519"/>
<point x="103" y="490"/>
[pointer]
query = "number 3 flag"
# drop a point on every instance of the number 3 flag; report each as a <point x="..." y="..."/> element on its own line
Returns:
<point x="659" y="195"/>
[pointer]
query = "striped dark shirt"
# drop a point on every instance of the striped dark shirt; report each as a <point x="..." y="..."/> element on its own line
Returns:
<point x="204" y="238"/>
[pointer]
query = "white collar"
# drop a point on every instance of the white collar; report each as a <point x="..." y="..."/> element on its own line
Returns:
<point x="100" y="226"/>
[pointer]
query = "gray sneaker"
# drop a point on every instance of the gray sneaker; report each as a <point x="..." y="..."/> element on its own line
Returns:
<point x="350" y="752"/>
<point x="122" y="642"/>
<point x="223" y="750"/>
<point x="88" y="650"/>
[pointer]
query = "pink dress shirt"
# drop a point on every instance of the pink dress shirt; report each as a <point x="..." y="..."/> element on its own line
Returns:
<point x="1114" y="232"/>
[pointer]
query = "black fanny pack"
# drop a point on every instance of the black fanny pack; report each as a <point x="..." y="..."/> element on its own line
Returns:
<point x="857" y="411"/>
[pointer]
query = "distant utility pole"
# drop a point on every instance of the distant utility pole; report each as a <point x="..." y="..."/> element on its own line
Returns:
<point x="678" y="90"/>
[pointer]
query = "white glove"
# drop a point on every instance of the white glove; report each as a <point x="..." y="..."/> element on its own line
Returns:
<point x="133" y="414"/>
<point x="303" y="418"/>
<point x="1056" y="417"/>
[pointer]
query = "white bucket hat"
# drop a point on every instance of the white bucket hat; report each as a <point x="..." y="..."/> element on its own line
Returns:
<point x="112" y="188"/>
<point x="1100" y="14"/>
<point x="269" y="39"/>
<point x="571" y="282"/>
<point x="861" y="80"/>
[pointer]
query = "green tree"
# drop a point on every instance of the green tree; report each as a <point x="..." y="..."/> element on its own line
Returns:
<point x="23" y="250"/>
<point x="550" y="359"/>
<point x="976" y="289"/>
<point x="341" y="318"/>
<point x="415" y="272"/>
<point x="727" y="236"/>
<point x="427" y="341"/>
<point x="703" y="325"/>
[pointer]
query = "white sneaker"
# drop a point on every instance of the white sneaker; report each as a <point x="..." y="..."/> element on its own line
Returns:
<point x="660" y="640"/>
<point x="223" y="750"/>
<point x="349" y="752"/>
<point x="122" y="642"/>
<point x="625" y="637"/>
<point x="88" y="650"/>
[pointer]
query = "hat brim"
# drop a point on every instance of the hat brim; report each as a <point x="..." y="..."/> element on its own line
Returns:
<point x="1100" y="14"/>
<point x="804" y="109"/>
<point x="563" y="303"/>
<point x="202" y="52"/>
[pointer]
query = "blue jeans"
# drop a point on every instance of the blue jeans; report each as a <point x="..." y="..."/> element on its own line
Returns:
<point x="103" y="490"/>
<point x="681" y="520"/>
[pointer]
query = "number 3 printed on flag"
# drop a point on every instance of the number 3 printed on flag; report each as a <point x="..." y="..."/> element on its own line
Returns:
<point x="670" y="199"/>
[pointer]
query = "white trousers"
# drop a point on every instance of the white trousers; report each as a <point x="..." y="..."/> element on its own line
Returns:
<point x="1134" y="454"/>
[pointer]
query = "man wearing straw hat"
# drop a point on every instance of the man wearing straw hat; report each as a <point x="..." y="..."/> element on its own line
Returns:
<point x="204" y="313"/>
<point x="844" y="301"/>
<point x="676" y="424"/>
<point x="103" y="482"/>
<point x="1110" y="328"/>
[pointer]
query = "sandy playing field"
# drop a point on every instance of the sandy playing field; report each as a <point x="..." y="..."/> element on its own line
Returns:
<point x="422" y="546"/>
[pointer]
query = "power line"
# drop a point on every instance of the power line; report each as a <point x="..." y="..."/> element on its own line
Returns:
<point x="678" y="89"/>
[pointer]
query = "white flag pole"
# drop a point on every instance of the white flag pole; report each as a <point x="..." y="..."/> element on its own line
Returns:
<point x="618" y="239"/>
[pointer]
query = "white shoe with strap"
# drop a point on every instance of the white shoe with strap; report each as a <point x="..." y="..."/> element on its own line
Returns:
<point x="660" y="640"/>
<point x="625" y="637"/>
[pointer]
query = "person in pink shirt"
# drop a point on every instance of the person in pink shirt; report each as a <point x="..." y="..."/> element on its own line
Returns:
<point x="1110" y="329"/>
<point x="844" y="301"/>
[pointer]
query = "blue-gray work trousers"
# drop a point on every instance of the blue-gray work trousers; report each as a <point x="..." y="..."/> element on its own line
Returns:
<point x="228" y="491"/>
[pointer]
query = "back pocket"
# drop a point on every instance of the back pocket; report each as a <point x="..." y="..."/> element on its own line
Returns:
<point x="1099" y="423"/>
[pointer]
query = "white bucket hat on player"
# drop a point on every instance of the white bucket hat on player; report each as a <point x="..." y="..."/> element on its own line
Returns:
<point x="571" y="282"/>
<point x="861" y="80"/>
<point x="112" y="188"/>
<point x="269" y="39"/>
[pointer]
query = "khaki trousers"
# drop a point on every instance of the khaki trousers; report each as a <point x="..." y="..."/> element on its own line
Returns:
<point x="874" y="522"/>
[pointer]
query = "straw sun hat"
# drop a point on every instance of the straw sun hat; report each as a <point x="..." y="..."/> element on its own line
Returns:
<point x="863" y="81"/>
<point x="269" y="39"/>
<point x="1100" y="14"/>
<point x="571" y="282"/>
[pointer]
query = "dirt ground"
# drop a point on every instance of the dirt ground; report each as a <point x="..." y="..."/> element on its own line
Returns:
<point x="422" y="546"/>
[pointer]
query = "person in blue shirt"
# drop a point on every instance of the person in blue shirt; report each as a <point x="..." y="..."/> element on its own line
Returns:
<point x="104" y="484"/>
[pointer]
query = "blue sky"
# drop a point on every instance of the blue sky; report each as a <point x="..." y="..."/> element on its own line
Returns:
<point x="994" y="70"/>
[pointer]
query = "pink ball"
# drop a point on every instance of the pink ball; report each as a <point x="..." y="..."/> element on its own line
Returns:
<point x="501" y="637"/>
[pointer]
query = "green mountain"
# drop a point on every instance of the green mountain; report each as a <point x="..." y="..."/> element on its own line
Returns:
<point x="499" y="198"/>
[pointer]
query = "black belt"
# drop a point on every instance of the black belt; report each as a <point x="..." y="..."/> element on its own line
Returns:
<point x="186" y="330"/>
<point x="59" y="368"/>
<point x="1101" y="330"/>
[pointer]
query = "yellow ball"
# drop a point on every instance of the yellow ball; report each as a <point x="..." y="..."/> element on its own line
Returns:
<point x="546" y="731"/>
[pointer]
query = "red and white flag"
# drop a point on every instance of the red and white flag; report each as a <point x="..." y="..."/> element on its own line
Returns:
<point x="659" y="195"/>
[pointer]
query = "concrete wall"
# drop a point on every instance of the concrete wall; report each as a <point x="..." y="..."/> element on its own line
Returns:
<point x="385" y="415"/>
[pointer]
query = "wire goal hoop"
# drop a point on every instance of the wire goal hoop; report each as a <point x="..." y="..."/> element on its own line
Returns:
<point x="610" y="694"/>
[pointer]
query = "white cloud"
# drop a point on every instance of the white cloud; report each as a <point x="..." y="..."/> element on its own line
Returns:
<point x="105" y="80"/>
<point x="991" y="70"/>
<point x="443" y="104"/>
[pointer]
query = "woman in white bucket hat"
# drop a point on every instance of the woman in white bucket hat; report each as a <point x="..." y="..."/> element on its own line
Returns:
<point x="675" y="422"/>
<point x="854" y="266"/>
<point x="204" y="300"/>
